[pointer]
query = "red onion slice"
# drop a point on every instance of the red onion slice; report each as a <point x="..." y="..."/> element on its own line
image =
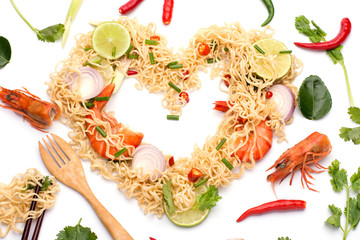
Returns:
<point x="150" y="159"/>
<point x="284" y="99"/>
<point x="89" y="85"/>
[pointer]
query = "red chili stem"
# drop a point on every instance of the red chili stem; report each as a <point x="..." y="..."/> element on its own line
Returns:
<point x="167" y="11"/>
<point x="334" y="43"/>
<point x="278" y="205"/>
<point x="129" y="6"/>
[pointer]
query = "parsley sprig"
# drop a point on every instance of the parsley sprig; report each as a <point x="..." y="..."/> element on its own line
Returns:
<point x="340" y="182"/>
<point x="49" y="34"/>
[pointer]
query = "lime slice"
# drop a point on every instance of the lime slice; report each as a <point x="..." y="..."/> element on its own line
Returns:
<point x="189" y="218"/>
<point x="281" y="62"/>
<point x="110" y="40"/>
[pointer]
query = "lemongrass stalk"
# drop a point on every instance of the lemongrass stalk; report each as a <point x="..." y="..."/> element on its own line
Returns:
<point x="73" y="10"/>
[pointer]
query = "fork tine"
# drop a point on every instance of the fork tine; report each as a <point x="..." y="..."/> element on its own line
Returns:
<point x="65" y="147"/>
<point x="54" y="155"/>
<point x="59" y="151"/>
<point x="47" y="159"/>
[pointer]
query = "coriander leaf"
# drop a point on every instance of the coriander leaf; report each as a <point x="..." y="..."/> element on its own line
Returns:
<point x="5" y="52"/>
<point x="336" y="55"/>
<point x="52" y="33"/>
<point x="334" y="219"/>
<point x="354" y="113"/>
<point x="354" y="211"/>
<point x="76" y="233"/>
<point x="168" y="197"/>
<point x="355" y="181"/>
<point x="45" y="184"/>
<point x="339" y="176"/>
<point x="302" y="24"/>
<point x="208" y="199"/>
<point x="318" y="31"/>
<point x="352" y="134"/>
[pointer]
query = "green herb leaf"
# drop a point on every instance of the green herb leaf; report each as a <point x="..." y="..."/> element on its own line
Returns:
<point x="208" y="199"/>
<point x="354" y="113"/>
<point x="52" y="33"/>
<point x="339" y="176"/>
<point x="302" y="24"/>
<point x="5" y="52"/>
<point x="77" y="232"/>
<point x="352" y="134"/>
<point x="45" y="184"/>
<point x="314" y="98"/>
<point x="355" y="181"/>
<point x="284" y="238"/>
<point x="354" y="211"/>
<point x="168" y="196"/>
<point x="334" y="219"/>
<point x="335" y="54"/>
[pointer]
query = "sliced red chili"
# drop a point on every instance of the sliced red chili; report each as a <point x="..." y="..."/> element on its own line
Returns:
<point x="167" y="11"/>
<point x="184" y="96"/>
<point x="278" y="205"/>
<point x="156" y="38"/>
<point x="334" y="43"/>
<point x="269" y="94"/>
<point x="194" y="175"/>
<point x="185" y="73"/>
<point x="129" y="6"/>
<point x="171" y="161"/>
<point x="131" y="72"/>
<point x="227" y="78"/>
<point x="203" y="49"/>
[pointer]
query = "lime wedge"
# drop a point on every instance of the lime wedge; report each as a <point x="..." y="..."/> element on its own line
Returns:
<point x="280" y="61"/>
<point x="110" y="40"/>
<point x="189" y="218"/>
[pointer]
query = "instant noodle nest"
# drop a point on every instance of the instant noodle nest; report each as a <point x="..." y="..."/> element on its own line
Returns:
<point x="232" y="46"/>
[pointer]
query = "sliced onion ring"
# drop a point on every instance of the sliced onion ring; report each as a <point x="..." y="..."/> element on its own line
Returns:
<point x="284" y="99"/>
<point x="150" y="159"/>
<point x="89" y="85"/>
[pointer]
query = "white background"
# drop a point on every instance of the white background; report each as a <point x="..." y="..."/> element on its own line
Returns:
<point x="32" y="61"/>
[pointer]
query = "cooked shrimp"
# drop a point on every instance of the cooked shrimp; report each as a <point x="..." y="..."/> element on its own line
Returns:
<point x="310" y="150"/>
<point x="259" y="141"/>
<point x="109" y="146"/>
<point x="37" y="112"/>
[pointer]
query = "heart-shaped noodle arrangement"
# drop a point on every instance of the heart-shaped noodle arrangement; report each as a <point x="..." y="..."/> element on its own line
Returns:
<point x="247" y="118"/>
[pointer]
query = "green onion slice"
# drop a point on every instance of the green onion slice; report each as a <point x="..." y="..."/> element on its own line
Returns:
<point x="101" y="131"/>
<point x="227" y="164"/>
<point x="113" y="53"/>
<point x="259" y="49"/>
<point x="198" y="184"/>
<point x="101" y="98"/>
<point x="87" y="49"/>
<point x="129" y="49"/>
<point x="285" y="51"/>
<point x="172" y="117"/>
<point x="174" y="87"/>
<point x="152" y="59"/>
<point x="221" y="144"/>
<point x="172" y="63"/>
<point x="133" y="56"/>
<point x="151" y="42"/>
<point x="176" y="66"/>
<point x="117" y="154"/>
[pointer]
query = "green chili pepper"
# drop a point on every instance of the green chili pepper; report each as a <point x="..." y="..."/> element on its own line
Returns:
<point x="270" y="7"/>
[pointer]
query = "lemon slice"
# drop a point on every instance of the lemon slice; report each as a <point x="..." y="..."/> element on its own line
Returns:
<point x="110" y="40"/>
<point x="189" y="218"/>
<point x="280" y="61"/>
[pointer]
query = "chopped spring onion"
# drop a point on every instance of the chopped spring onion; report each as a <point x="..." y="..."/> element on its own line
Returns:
<point x="226" y="49"/>
<point x="87" y="49"/>
<point x="176" y="66"/>
<point x="151" y="42"/>
<point x="152" y="59"/>
<point x="227" y="164"/>
<point x="174" y="87"/>
<point x="172" y="63"/>
<point x="259" y="49"/>
<point x="129" y="49"/>
<point x="133" y="56"/>
<point x="211" y="60"/>
<point x="172" y="117"/>
<point x="101" y="98"/>
<point x="113" y="53"/>
<point x="285" y="51"/>
<point x="221" y="144"/>
<point x="117" y="154"/>
<point x="89" y="104"/>
<point x="101" y="131"/>
<point x="198" y="184"/>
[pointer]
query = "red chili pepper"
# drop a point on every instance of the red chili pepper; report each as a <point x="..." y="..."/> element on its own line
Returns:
<point x="268" y="94"/>
<point x="278" y="205"/>
<point x="185" y="96"/>
<point x="156" y="38"/>
<point x="227" y="78"/>
<point x="131" y="72"/>
<point x="129" y="6"/>
<point x="194" y="175"/>
<point x="167" y="11"/>
<point x="171" y="161"/>
<point x="185" y="73"/>
<point x="334" y="43"/>
<point x="203" y="49"/>
<point x="152" y="238"/>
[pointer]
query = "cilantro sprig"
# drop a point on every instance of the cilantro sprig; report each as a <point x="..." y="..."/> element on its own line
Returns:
<point x="207" y="199"/>
<point x="316" y="34"/>
<point x="352" y="134"/>
<point x="351" y="212"/>
<point x="76" y="233"/>
<point x="44" y="184"/>
<point x="49" y="34"/>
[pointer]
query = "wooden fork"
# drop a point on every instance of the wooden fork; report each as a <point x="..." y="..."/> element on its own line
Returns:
<point x="66" y="166"/>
